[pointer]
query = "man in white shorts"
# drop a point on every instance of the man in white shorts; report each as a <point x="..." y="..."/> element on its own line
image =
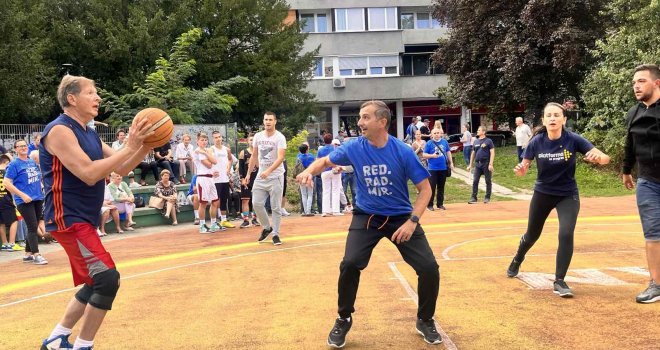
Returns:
<point x="204" y="160"/>
<point x="269" y="150"/>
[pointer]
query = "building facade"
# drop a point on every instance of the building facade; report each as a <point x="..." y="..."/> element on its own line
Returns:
<point x="374" y="49"/>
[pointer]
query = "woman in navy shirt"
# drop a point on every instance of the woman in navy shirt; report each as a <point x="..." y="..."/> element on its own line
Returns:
<point x="23" y="180"/>
<point x="554" y="149"/>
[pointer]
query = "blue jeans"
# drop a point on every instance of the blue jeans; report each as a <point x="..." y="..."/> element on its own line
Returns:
<point x="306" y="197"/>
<point x="520" y="150"/>
<point x="648" y="204"/>
<point x="467" y="150"/>
<point x="318" y="192"/>
<point x="347" y="180"/>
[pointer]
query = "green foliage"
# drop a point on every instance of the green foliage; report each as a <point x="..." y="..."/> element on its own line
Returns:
<point x="633" y="40"/>
<point x="502" y="53"/>
<point x="166" y="88"/>
<point x="295" y="142"/>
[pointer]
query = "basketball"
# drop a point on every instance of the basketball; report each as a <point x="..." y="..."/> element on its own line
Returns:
<point x="162" y="126"/>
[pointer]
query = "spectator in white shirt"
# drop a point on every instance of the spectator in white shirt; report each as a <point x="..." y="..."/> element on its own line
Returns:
<point x="121" y="140"/>
<point x="183" y="154"/>
<point x="523" y="134"/>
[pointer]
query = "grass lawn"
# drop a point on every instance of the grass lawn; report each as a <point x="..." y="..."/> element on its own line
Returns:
<point x="593" y="180"/>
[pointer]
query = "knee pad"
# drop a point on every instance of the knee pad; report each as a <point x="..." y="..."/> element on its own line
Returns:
<point x="106" y="285"/>
<point x="84" y="294"/>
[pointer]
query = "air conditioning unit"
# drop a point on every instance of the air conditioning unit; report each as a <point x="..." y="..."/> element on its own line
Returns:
<point x="339" y="83"/>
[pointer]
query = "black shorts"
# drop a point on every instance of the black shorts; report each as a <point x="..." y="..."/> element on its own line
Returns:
<point x="246" y="192"/>
<point x="8" y="216"/>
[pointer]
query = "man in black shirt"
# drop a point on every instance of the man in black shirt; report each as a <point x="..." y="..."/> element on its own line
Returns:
<point x="165" y="160"/>
<point x="426" y="132"/>
<point x="643" y="148"/>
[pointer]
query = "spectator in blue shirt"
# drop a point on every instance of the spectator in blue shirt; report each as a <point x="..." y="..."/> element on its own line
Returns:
<point x="554" y="149"/>
<point x="306" y="192"/>
<point x="439" y="159"/>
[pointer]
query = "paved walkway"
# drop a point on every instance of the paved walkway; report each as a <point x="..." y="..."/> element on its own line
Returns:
<point x="497" y="189"/>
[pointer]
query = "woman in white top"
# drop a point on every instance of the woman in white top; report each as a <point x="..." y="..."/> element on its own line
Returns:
<point x="121" y="140"/>
<point x="466" y="139"/>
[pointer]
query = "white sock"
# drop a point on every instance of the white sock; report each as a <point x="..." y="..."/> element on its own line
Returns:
<point x="212" y="221"/>
<point x="80" y="343"/>
<point x="59" y="330"/>
<point x="223" y="217"/>
<point x="219" y="213"/>
<point x="196" y="214"/>
<point x="202" y="222"/>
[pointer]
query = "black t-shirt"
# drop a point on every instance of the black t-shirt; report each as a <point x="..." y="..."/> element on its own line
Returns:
<point x="6" y="200"/>
<point x="426" y="133"/>
<point x="162" y="150"/>
<point x="482" y="148"/>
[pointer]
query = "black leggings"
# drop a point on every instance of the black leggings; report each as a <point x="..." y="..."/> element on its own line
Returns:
<point x="363" y="235"/>
<point x="31" y="212"/>
<point x="542" y="204"/>
<point x="437" y="179"/>
<point x="223" y="194"/>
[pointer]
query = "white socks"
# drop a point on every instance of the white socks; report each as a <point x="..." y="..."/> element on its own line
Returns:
<point x="82" y="343"/>
<point x="59" y="330"/>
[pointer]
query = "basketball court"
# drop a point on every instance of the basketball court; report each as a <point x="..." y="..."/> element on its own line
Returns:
<point x="181" y="289"/>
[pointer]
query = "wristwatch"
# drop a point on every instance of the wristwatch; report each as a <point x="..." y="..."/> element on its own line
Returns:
<point x="414" y="218"/>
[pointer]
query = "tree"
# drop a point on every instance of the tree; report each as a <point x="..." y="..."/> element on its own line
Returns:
<point x="26" y="78"/>
<point x="249" y="38"/>
<point x="502" y="53"/>
<point x="167" y="88"/>
<point x="632" y="40"/>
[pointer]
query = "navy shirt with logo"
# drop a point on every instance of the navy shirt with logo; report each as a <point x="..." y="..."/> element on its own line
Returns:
<point x="382" y="174"/>
<point x="555" y="160"/>
<point x="482" y="148"/>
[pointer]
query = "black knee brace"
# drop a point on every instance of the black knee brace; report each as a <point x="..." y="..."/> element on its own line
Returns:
<point x="84" y="294"/>
<point x="106" y="285"/>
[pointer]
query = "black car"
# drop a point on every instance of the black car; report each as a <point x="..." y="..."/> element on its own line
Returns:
<point x="500" y="138"/>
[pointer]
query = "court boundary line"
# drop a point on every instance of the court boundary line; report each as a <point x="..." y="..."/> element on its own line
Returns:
<point x="449" y="344"/>
<point x="176" y="267"/>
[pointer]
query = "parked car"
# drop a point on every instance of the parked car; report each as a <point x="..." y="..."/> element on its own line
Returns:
<point x="500" y="138"/>
<point x="455" y="144"/>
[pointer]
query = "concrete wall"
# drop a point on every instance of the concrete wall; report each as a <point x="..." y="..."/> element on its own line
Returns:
<point x="354" y="43"/>
<point x="383" y="88"/>
<point x="326" y="4"/>
<point x="423" y="36"/>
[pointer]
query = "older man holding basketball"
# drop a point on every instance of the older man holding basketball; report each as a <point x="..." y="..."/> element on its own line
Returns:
<point x="383" y="165"/>
<point x="75" y="163"/>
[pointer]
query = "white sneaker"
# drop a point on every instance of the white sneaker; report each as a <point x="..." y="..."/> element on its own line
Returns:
<point x="284" y="212"/>
<point x="40" y="260"/>
<point x="338" y="214"/>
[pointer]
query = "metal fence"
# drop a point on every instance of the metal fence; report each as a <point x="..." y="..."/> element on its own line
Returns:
<point x="10" y="133"/>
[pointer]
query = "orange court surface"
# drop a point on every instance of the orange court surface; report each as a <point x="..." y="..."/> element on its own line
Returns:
<point x="181" y="289"/>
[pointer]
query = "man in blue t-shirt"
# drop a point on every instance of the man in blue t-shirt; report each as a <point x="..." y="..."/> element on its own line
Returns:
<point x="383" y="165"/>
<point x="481" y="160"/>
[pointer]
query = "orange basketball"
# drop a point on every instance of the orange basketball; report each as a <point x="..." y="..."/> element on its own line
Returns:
<point x="162" y="127"/>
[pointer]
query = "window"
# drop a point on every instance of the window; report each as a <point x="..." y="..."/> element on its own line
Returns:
<point x="349" y="19"/>
<point x="352" y="66"/>
<point x="407" y="21"/>
<point x="318" y="70"/>
<point x="423" y="20"/>
<point x="418" y="64"/>
<point x="383" y="65"/>
<point x="313" y="23"/>
<point x="382" y="18"/>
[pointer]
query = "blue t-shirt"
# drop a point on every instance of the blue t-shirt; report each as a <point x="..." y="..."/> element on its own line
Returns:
<point x="324" y="151"/>
<point x="193" y="183"/>
<point x="555" y="160"/>
<point x="26" y="176"/>
<point x="439" y="163"/>
<point x="382" y="174"/>
<point x="306" y="159"/>
<point x="482" y="148"/>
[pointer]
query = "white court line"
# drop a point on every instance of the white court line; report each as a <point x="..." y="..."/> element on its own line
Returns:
<point x="411" y="292"/>
<point x="174" y="268"/>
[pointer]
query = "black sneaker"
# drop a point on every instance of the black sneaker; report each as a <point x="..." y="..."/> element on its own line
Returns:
<point x="486" y="200"/>
<point x="513" y="269"/>
<point x="276" y="240"/>
<point x="561" y="288"/>
<point x="442" y="207"/>
<point x="245" y="224"/>
<point x="264" y="234"/>
<point x="472" y="201"/>
<point x="430" y="208"/>
<point x="428" y="331"/>
<point x="255" y="222"/>
<point x="337" y="337"/>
